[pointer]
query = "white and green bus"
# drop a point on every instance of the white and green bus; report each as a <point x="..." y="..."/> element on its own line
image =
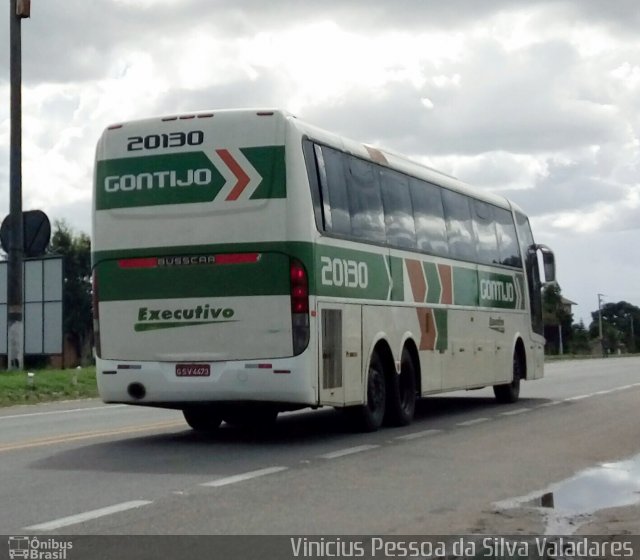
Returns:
<point x="246" y="263"/>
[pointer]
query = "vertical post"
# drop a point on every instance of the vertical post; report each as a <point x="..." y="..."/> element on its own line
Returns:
<point x="15" y="327"/>
<point x="560" y="345"/>
<point x="600" y="322"/>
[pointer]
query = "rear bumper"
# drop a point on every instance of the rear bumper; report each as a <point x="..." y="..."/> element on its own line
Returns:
<point x="287" y="381"/>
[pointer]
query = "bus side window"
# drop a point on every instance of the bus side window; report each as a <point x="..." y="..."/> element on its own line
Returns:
<point x="336" y="204"/>
<point x="485" y="229"/>
<point x="398" y="212"/>
<point x="507" y="239"/>
<point x="457" y="211"/>
<point x="316" y="174"/>
<point x="428" y="216"/>
<point x="365" y="201"/>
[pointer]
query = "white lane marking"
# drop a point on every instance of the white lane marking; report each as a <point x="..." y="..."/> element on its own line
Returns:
<point x="550" y="403"/>
<point x="604" y="392"/>
<point x="416" y="435"/>
<point x="624" y="387"/>
<point x="472" y="422"/>
<point x="242" y="477"/>
<point x="348" y="451"/>
<point x="87" y="516"/>
<point x="68" y="411"/>
<point x="579" y="397"/>
<point x="514" y="412"/>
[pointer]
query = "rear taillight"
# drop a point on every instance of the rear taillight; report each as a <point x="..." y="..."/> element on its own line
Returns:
<point x="299" y="306"/>
<point x="96" y="313"/>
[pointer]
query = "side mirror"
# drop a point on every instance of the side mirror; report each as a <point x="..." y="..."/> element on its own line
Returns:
<point x="548" y="263"/>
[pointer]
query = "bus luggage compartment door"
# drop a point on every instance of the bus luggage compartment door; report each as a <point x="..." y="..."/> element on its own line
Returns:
<point x="340" y="356"/>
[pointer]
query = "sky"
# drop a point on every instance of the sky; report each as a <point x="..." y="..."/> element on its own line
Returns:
<point x="537" y="100"/>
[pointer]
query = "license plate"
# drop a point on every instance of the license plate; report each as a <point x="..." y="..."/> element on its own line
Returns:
<point x="193" y="370"/>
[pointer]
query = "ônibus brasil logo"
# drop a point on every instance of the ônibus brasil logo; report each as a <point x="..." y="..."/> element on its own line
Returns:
<point x="155" y="319"/>
<point x="38" y="548"/>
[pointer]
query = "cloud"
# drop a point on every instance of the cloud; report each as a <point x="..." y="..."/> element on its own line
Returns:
<point x="539" y="101"/>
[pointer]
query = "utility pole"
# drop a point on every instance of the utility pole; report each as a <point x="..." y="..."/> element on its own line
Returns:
<point x="600" y="296"/>
<point x="19" y="9"/>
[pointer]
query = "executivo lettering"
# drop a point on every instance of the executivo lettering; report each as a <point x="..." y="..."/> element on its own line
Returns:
<point x="154" y="319"/>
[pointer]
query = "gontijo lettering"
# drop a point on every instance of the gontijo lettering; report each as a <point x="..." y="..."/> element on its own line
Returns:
<point x="157" y="180"/>
<point x="496" y="290"/>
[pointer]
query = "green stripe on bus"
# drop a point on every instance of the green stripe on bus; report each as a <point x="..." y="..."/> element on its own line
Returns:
<point x="269" y="276"/>
<point x="497" y="290"/>
<point x="442" y="324"/>
<point x="269" y="163"/>
<point x="332" y="271"/>
<point x="143" y="327"/>
<point x="397" y="278"/>
<point x="185" y="178"/>
<point x="465" y="286"/>
<point x="156" y="180"/>
<point x="434" y="287"/>
<point x="351" y="274"/>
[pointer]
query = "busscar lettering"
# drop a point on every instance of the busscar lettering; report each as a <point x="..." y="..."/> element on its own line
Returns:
<point x="186" y="260"/>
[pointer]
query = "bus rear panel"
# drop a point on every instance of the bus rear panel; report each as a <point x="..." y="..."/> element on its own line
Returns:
<point x="198" y="295"/>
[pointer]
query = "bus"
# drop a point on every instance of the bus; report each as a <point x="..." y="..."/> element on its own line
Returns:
<point x="246" y="263"/>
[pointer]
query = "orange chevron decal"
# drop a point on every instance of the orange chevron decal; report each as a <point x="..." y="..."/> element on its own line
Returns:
<point x="428" y="329"/>
<point x="446" y="296"/>
<point x="241" y="176"/>
<point x="416" y="279"/>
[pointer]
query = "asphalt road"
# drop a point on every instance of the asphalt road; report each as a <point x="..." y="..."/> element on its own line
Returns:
<point x="87" y="468"/>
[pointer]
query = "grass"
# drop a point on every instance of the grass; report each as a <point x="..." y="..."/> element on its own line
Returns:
<point x="18" y="387"/>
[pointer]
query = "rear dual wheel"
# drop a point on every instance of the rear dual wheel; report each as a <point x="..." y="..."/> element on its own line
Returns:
<point x="204" y="419"/>
<point x="390" y="398"/>
<point x="254" y="417"/>
<point x="401" y="393"/>
<point x="369" y="417"/>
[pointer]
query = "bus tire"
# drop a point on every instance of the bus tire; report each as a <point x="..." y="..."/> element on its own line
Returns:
<point x="401" y="393"/>
<point x="369" y="417"/>
<point x="203" y="419"/>
<point x="254" y="417"/>
<point x="510" y="392"/>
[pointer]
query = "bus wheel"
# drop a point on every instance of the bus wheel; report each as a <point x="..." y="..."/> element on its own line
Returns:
<point x="368" y="417"/>
<point x="401" y="393"/>
<point x="202" y="418"/>
<point x="252" y="417"/>
<point x="510" y="392"/>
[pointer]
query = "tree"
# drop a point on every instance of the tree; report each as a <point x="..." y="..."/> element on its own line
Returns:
<point x="580" y="341"/>
<point x="620" y="326"/>
<point x="76" y="250"/>
<point x="557" y="318"/>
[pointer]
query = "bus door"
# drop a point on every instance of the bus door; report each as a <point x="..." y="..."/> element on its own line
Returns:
<point x="340" y="355"/>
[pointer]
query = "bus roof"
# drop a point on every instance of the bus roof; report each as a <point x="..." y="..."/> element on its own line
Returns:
<point x="398" y="162"/>
<point x="380" y="155"/>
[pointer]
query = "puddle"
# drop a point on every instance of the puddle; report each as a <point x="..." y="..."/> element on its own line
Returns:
<point x="571" y="502"/>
